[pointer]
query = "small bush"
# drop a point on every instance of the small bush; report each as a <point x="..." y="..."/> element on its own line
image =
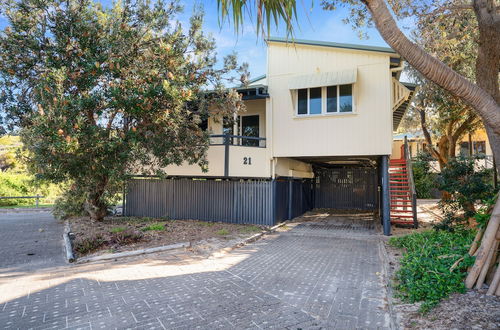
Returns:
<point x="425" y="180"/>
<point x="154" y="226"/>
<point x="425" y="274"/>
<point x="125" y="237"/>
<point x="70" y="204"/>
<point x="87" y="245"/>
<point x="465" y="185"/>
<point x="223" y="232"/>
<point x="118" y="229"/>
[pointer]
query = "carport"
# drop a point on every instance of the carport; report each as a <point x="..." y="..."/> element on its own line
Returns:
<point x="352" y="183"/>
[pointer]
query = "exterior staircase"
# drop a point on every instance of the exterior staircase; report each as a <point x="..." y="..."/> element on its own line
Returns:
<point x="402" y="191"/>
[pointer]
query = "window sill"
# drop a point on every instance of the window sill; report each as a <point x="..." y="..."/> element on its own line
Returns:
<point x="322" y="115"/>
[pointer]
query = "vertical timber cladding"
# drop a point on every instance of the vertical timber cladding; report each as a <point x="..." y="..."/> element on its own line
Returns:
<point x="233" y="201"/>
<point x="347" y="188"/>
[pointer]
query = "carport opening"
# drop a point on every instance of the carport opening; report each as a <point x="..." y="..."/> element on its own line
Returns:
<point x="346" y="186"/>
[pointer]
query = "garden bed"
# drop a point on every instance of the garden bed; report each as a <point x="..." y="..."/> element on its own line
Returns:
<point x="469" y="310"/>
<point x="119" y="234"/>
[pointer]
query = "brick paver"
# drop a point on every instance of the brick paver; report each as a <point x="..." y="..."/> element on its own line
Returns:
<point x="30" y="240"/>
<point x="319" y="275"/>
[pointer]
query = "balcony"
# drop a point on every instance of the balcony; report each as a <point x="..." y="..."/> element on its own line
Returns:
<point x="231" y="156"/>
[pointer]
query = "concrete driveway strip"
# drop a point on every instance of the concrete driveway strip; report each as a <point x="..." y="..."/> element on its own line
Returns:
<point x="319" y="275"/>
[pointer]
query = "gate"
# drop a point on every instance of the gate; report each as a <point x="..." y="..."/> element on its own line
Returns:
<point x="347" y="188"/>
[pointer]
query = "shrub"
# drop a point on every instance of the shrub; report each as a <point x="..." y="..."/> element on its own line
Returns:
<point x="223" y="232"/>
<point x="70" y="204"/>
<point x="154" y="226"/>
<point x="464" y="185"/>
<point x="87" y="245"/>
<point x="425" y="274"/>
<point x="125" y="237"/>
<point x="425" y="180"/>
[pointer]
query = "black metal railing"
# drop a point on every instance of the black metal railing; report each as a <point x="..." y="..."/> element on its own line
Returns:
<point x="237" y="140"/>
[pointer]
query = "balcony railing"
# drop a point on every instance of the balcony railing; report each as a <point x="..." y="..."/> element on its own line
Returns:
<point x="237" y="140"/>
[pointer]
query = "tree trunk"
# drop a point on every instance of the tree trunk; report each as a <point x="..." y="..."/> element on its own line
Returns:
<point x="435" y="70"/>
<point x="94" y="204"/>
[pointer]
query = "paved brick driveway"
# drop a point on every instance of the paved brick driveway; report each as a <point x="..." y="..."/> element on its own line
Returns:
<point x="321" y="274"/>
<point x="29" y="240"/>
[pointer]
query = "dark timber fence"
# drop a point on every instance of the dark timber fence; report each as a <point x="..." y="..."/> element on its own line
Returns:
<point x="261" y="202"/>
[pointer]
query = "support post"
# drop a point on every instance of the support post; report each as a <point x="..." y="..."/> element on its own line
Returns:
<point x="386" y="211"/>
<point x="37" y="199"/>
<point x="226" y="154"/>
<point x="290" y="198"/>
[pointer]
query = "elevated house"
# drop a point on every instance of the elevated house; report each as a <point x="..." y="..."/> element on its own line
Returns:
<point x="316" y="133"/>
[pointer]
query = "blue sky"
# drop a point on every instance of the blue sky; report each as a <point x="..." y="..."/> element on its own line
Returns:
<point x="313" y="23"/>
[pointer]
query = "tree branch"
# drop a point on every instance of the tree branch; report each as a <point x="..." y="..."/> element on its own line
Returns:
<point x="432" y="68"/>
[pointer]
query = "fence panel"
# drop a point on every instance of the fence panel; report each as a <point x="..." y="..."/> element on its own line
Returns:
<point x="243" y="201"/>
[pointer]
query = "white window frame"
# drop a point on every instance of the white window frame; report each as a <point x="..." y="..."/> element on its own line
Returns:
<point x="324" y="102"/>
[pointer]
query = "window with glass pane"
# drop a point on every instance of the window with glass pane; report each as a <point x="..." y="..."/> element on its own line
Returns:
<point x="331" y="99"/>
<point x="315" y="101"/>
<point x="302" y="104"/>
<point x="250" y="127"/>
<point x="345" y="101"/>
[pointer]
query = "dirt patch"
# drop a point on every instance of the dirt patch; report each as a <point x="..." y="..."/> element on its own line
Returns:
<point x="472" y="310"/>
<point x="118" y="234"/>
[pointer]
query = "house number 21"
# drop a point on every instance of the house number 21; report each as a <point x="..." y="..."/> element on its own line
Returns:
<point x="247" y="160"/>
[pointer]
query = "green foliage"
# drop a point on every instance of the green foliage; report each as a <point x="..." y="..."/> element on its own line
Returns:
<point x="425" y="274"/>
<point x="423" y="177"/>
<point x="70" y="203"/>
<point x="154" y="226"/>
<point x="125" y="237"/>
<point x="465" y="186"/>
<point x="98" y="90"/>
<point x="223" y="232"/>
<point x="118" y="229"/>
<point x="87" y="245"/>
<point x="19" y="184"/>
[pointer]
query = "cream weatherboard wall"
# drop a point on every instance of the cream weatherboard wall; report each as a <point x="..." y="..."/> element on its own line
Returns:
<point x="258" y="160"/>
<point x="367" y="131"/>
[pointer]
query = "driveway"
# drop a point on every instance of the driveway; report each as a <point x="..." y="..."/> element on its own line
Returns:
<point x="322" y="272"/>
<point x="29" y="240"/>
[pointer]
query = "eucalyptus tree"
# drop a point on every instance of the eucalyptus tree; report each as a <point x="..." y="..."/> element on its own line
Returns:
<point x="98" y="91"/>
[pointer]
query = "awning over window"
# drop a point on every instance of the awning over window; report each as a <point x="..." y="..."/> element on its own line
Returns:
<point x="321" y="79"/>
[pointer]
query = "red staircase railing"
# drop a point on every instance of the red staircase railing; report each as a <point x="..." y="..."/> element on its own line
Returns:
<point x="403" y="200"/>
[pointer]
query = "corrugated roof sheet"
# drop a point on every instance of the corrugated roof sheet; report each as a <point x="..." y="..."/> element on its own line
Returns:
<point x="333" y="44"/>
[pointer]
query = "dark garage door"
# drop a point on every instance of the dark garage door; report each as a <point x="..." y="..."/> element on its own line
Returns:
<point x="348" y="188"/>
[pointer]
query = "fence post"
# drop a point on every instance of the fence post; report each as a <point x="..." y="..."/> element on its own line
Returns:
<point x="37" y="197"/>
<point x="226" y="154"/>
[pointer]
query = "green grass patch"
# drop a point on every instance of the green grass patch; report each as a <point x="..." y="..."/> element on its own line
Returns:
<point x="154" y="226"/>
<point x="425" y="274"/>
<point x="25" y="206"/>
<point x="118" y="229"/>
<point x="223" y="232"/>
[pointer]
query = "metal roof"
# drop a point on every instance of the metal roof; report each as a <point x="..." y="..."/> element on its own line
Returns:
<point x="333" y="44"/>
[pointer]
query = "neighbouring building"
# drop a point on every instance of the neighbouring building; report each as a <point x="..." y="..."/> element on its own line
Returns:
<point x="317" y="133"/>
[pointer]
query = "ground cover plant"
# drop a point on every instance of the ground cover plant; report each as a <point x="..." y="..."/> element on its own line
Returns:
<point x="433" y="265"/>
<point x="115" y="234"/>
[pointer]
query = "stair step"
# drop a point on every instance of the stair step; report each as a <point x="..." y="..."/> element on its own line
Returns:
<point x="401" y="216"/>
<point x="399" y="191"/>
<point x="403" y="222"/>
<point x="400" y="211"/>
<point x="400" y="200"/>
